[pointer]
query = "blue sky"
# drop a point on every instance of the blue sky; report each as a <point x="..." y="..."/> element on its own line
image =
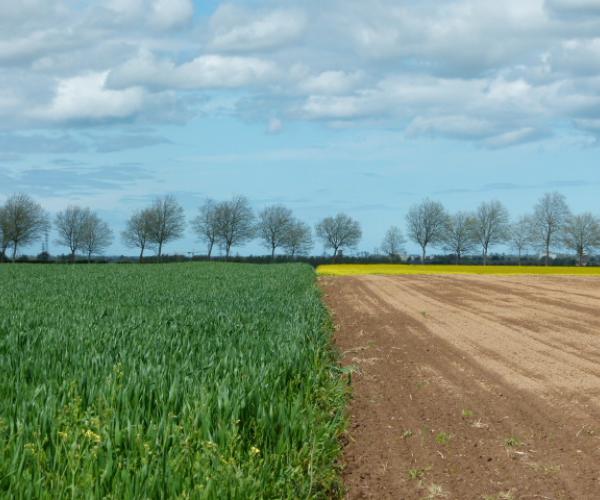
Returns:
<point x="361" y="107"/>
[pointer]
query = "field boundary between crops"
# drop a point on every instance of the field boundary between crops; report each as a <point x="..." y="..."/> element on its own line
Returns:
<point x="411" y="269"/>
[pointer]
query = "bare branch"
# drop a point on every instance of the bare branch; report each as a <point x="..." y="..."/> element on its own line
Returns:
<point x="427" y="223"/>
<point x="547" y="223"/>
<point x="339" y="232"/>
<point x="393" y="242"/>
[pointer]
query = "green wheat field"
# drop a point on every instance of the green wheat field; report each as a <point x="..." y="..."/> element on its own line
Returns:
<point x="183" y="381"/>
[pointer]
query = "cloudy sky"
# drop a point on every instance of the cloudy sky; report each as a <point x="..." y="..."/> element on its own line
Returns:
<point x="326" y="106"/>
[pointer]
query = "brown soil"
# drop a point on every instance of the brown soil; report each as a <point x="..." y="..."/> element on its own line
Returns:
<point x="471" y="387"/>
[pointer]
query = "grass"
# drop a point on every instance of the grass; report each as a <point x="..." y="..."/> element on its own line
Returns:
<point x="443" y="438"/>
<point x="394" y="269"/>
<point x="416" y="474"/>
<point x="512" y="442"/>
<point x="179" y="381"/>
<point x="434" y="491"/>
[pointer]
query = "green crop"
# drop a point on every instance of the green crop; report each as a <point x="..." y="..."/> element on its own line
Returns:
<point x="184" y="380"/>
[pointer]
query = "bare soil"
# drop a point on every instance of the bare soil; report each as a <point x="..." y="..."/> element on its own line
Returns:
<point x="471" y="387"/>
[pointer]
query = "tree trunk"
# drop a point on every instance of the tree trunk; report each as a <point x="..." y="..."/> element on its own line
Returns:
<point x="210" y="247"/>
<point x="227" y="250"/>
<point x="519" y="258"/>
<point x="580" y="259"/>
<point x="72" y="256"/>
<point x="457" y="259"/>
<point x="160" y="251"/>
<point x="485" y="256"/>
<point x="547" y="256"/>
<point x="89" y="259"/>
<point x="272" y="252"/>
<point x="423" y="254"/>
<point x="14" y="254"/>
<point x="141" y="254"/>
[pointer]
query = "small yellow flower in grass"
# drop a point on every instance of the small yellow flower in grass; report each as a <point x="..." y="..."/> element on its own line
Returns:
<point x="254" y="451"/>
<point x="63" y="435"/>
<point x="92" y="436"/>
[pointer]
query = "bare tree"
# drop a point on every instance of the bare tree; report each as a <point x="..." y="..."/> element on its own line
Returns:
<point x="490" y="225"/>
<point x="235" y="223"/>
<point x="393" y="242"/>
<point x="298" y="239"/>
<point x="69" y="226"/>
<point x="547" y="223"/>
<point x="4" y="243"/>
<point x="96" y="236"/>
<point x="458" y="236"/>
<point x="582" y="234"/>
<point x="520" y="236"/>
<point x="138" y="230"/>
<point x="427" y="223"/>
<point x="24" y="221"/>
<point x="167" y="222"/>
<point x="274" y="223"/>
<point x="339" y="232"/>
<point x="206" y="224"/>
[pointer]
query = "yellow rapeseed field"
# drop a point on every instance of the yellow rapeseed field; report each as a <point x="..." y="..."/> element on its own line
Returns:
<point x="356" y="269"/>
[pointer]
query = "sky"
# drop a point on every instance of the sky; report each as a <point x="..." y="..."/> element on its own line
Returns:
<point x="325" y="106"/>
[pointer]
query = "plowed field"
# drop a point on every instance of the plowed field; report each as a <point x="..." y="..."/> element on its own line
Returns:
<point x="471" y="386"/>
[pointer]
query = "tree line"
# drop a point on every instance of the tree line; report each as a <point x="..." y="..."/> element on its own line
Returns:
<point x="230" y="223"/>
<point x="549" y="227"/>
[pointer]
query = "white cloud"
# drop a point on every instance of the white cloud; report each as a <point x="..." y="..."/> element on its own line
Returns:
<point x="30" y="12"/>
<point x="574" y="7"/>
<point x="126" y="8"/>
<point x="330" y="82"/>
<point x="237" y="29"/>
<point x="495" y="112"/>
<point x="495" y="73"/>
<point x="160" y="14"/>
<point x="513" y="137"/>
<point x="33" y="45"/>
<point x="450" y="37"/>
<point x="457" y="126"/>
<point x="206" y="71"/>
<point x="85" y="98"/>
<point x="341" y="107"/>
<point x="167" y="14"/>
<point x="578" y="56"/>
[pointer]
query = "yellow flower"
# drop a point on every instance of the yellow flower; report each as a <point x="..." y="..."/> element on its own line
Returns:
<point x="92" y="436"/>
<point x="254" y="450"/>
<point x="392" y="269"/>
